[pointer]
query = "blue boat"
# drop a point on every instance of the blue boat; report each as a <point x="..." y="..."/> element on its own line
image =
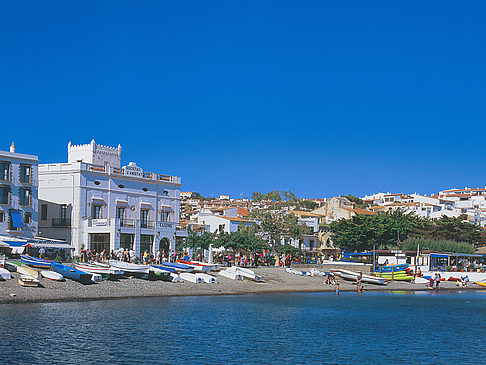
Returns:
<point x="388" y="268"/>
<point x="166" y="268"/>
<point x="178" y="266"/>
<point x="35" y="262"/>
<point x="72" y="273"/>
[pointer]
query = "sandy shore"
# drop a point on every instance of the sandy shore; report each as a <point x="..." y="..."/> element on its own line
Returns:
<point x="276" y="281"/>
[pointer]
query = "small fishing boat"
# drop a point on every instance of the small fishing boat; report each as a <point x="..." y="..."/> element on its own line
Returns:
<point x="178" y="266"/>
<point x="209" y="279"/>
<point x="186" y="276"/>
<point x="351" y="275"/>
<point x="197" y="266"/>
<point x="230" y="275"/>
<point x="176" y="278"/>
<point x="247" y="273"/>
<point x="161" y="273"/>
<point x="72" y="273"/>
<point x="25" y="270"/>
<point x="4" y="274"/>
<point x="35" y="262"/>
<point x="106" y="271"/>
<point x="27" y="280"/>
<point x="166" y="268"/>
<point x="214" y="266"/>
<point x="295" y="272"/>
<point x="140" y="271"/>
<point x="51" y="275"/>
<point x="419" y="280"/>
<point x="481" y="283"/>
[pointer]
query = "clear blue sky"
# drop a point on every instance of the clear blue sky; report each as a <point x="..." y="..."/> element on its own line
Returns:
<point x="322" y="98"/>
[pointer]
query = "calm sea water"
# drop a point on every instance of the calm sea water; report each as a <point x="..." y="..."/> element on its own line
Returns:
<point x="259" y="329"/>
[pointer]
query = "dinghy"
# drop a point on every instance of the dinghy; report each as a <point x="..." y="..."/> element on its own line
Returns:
<point x="247" y="273"/>
<point x="209" y="279"/>
<point x="420" y="281"/>
<point x="166" y="268"/>
<point x="27" y="280"/>
<point x="25" y="270"/>
<point x="176" y="278"/>
<point x="106" y="271"/>
<point x="35" y="262"/>
<point x="178" y="266"/>
<point x="230" y="275"/>
<point x="4" y="274"/>
<point x="51" y="275"/>
<point x="197" y="266"/>
<point x="161" y="273"/>
<point x="139" y="271"/>
<point x="72" y="273"/>
<point x="351" y="275"/>
<point x="186" y="276"/>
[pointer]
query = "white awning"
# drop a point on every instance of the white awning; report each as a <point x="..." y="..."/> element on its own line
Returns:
<point x="121" y="202"/>
<point x="166" y="208"/>
<point x="98" y="199"/>
<point x="146" y="205"/>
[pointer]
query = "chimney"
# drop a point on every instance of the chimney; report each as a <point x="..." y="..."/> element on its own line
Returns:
<point x="12" y="148"/>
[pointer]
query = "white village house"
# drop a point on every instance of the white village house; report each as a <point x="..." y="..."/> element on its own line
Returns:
<point x="93" y="202"/>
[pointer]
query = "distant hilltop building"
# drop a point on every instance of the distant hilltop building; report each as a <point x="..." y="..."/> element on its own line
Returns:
<point x="93" y="202"/>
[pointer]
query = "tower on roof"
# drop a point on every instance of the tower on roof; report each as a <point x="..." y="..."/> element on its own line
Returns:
<point x="95" y="154"/>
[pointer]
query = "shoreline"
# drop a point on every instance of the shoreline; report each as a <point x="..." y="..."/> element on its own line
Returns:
<point x="277" y="281"/>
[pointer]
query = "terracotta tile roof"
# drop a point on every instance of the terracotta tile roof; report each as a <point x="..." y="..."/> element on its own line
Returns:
<point x="360" y="211"/>
<point x="233" y="219"/>
<point x="307" y="214"/>
<point x="243" y="212"/>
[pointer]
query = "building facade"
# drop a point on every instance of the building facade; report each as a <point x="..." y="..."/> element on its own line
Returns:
<point x="18" y="194"/>
<point x="93" y="202"/>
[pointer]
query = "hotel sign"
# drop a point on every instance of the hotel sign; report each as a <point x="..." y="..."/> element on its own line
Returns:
<point x="132" y="170"/>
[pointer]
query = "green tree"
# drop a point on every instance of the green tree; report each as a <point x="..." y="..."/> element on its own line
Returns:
<point x="273" y="196"/>
<point x="257" y="196"/>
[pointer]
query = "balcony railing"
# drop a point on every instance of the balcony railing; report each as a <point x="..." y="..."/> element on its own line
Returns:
<point x="147" y="224"/>
<point x="61" y="222"/>
<point x="127" y="223"/>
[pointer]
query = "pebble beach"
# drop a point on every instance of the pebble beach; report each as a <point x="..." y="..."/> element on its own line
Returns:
<point x="276" y="280"/>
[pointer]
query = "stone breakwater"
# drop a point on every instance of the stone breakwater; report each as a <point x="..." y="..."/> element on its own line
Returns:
<point x="276" y="281"/>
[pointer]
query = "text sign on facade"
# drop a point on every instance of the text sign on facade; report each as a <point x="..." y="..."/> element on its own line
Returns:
<point x="132" y="170"/>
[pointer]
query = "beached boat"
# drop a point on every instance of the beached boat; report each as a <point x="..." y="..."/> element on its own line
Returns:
<point x="419" y="280"/>
<point x="209" y="279"/>
<point x="214" y="266"/>
<point x="72" y="273"/>
<point x="178" y="266"/>
<point x="351" y="275"/>
<point x="25" y="270"/>
<point x="4" y="274"/>
<point x="161" y="273"/>
<point x="141" y="271"/>
<point x="230" y="275"/>
<point x="247" y="273"/>
<point x="481" y="283"/>
<point x="106" y="271"/>
<point x="27" y="280"/>
<point x="295" y="272"/>
<point x="176" y="278"/>
<point x="197" y="266"/>
<point x="390" y="268"/>
<point x="166" y="268"/>
<point x="187" y="276"/>
<point x="35" y="262"/>
<point x="51" y="275"/>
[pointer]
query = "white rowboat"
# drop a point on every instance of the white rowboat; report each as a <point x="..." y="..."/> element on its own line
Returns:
<point x="5" y="274"/>
<point x="186" y="276"/>
<point x="247" y="273"/>
<point x="52" y="275"/>
<point x="209" y="279"/>
<point x="230" y="275"/>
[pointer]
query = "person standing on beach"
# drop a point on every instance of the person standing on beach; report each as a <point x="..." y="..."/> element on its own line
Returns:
<point x="437" y="281"/>
<point x="359" y="278"/>
<point x="337" y="288"/>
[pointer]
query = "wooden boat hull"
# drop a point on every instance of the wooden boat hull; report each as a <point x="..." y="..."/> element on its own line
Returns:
<point x="4" y="274"/>
<point x="35" y="262"/>
<point x="28" y="281"/>
<point x="351" y="275"/>
<point x="141" y="271"/>
<point x="72" y="273"/>
<point x="52" y="275"/>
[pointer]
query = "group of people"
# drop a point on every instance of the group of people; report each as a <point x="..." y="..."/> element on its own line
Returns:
<point x="126" y="255"/>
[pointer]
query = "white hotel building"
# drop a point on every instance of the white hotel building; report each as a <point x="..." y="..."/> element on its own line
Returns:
<point x="93" y="202"/>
